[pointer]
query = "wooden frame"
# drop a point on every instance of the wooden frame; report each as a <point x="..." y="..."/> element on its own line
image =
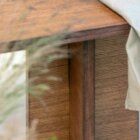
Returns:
<point x="82" y="91"/>
<point x="82" y="48"/>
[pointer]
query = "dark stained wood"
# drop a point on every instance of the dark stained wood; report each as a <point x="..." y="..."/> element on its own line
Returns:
<point x="82" y="91"/>
<point x="96" y="33"/>
<point x="112" y="121"/>
<point x="29" y="19"/>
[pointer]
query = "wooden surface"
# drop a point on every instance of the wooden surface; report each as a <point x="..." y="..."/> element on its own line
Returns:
<point x="53" y="112"/>
<point x="81" y="73"/>
<point x="112" y="121"/>
<point x="87" y="20"/>
<point x="31" y="18"/>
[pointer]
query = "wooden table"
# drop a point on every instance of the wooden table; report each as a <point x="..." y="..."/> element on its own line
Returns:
<point x="88" y="20"/>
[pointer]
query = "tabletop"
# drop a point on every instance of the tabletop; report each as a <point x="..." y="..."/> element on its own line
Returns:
<point x="24" y="19"/>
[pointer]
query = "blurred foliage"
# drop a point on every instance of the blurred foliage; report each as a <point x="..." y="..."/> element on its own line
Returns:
<point x="46" y="49"/>
<point x="38" y="48"/>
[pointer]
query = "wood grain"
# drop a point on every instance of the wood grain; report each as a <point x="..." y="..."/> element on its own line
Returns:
<point x="82" y="91"/>
<point x="112" y="121"/>
<point x="31" y="18"/>
<point x="52" y="110"/>
<point x="42" y="63"/>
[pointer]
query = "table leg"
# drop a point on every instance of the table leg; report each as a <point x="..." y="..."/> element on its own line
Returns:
<point x="82" y="90"/>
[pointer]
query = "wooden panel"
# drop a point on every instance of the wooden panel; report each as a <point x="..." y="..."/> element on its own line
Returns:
<point x="56" y="63"/>
<point x="112" y="121"/>
<point x="82" y="91"/>
<point x="31" y="18"/>
<point x="53" y="112"/>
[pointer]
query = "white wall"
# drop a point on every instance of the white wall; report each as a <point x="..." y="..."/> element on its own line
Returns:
<point x="16" y="122"/>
